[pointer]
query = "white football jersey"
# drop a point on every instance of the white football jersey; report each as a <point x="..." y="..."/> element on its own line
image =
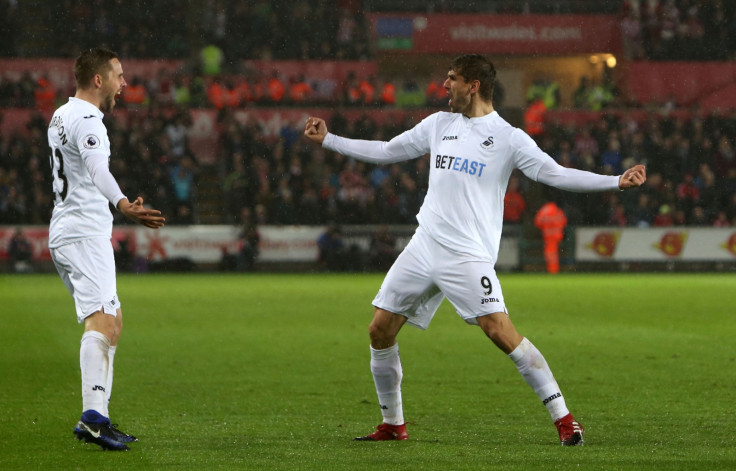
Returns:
<point x="471" y="160"/>
<point x="77" y="137"/>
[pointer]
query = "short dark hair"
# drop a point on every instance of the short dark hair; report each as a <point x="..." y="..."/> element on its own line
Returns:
<point x="476" y="67"/>
<point x="90" y="63"/>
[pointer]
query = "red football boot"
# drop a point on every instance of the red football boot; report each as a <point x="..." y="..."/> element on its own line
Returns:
<point x="571" y="432"/>
<point x="386" y="432"/>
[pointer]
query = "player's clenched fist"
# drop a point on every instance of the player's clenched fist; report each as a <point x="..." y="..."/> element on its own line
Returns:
<point x="633" y="177"/>
<point x="315" y="129"/>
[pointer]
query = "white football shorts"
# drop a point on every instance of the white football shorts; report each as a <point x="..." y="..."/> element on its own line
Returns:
<point x="87" y="268"/>
<point x="427" y="272"/>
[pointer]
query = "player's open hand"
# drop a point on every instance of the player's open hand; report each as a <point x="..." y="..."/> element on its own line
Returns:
<point x="315" y="129"/>
<point x="136" y="212"/>
<point x="633" y="177"/>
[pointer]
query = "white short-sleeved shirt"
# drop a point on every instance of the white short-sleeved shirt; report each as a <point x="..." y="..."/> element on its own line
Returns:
<point x="77" y="136"/>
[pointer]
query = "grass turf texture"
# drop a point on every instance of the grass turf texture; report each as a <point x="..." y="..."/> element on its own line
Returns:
<point x="271" y="372"/>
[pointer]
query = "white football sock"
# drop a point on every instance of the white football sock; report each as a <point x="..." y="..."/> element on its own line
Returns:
<point x="108" y="385"/>
<point x="387" y="374"/>
<point x="93" y="361"/>
<point x="535" y="371"/>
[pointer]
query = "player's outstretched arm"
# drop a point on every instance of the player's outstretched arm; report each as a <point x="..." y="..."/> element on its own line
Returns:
<point x="315" y="129"/>
<point x="136" y="212"/>
<point x="633" y="177"/>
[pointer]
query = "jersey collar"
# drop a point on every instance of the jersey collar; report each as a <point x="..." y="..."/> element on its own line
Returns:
<point x="85" y="103"/>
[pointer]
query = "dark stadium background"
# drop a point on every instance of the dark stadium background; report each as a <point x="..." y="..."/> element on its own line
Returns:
<point x="217" y="143"/>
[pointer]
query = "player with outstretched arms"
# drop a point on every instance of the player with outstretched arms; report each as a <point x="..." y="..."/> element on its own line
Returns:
<point x="452" y="254"/>
<point x="81" y="228"/>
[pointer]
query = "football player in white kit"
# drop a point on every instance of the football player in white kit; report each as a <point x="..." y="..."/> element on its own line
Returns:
<point x="472" y="153"/>
<point x="81" y="228"/>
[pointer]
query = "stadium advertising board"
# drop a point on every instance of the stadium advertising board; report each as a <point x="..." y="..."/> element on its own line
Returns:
<point x="600" y="244"/>
<point x="207" y="244"/>
<point x="200" y="244"/>
<point x="497" y="34"/>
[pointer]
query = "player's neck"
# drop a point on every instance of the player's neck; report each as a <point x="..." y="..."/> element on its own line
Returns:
<point x="478" y="109"/>
<point x="89" y="96"/>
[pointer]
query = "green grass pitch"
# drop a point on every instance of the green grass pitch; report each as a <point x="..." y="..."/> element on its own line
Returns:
<point x="270" y="372"/>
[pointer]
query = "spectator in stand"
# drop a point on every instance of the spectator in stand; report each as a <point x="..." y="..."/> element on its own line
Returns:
<point x="183" y="182"/>
<point x="135" y="93"/>
<point x="331" y="249"/>
<point x="585" y="142"/>
<point x="721" y="220"/>
<point x="351" y="90"/>
<point x="300" y="92"/>
<point x="680" y="218"/>
<point x="730" y="194"/>
<point x="308" y="207"/>
<point x="249" y="239"/>
<point x="669" y="25"/>
<point x="601" y="95"/>
<point x="642" y="215"/>
<point x="284" y="204"/>
<point x="7" y="93"/>
<point x="691" y="34"/>
<point x="355" y="193"/>
<point x="182" y="93"/>
<point x="631" y="34"/>
<point x="664" y="217"/>
<point x="551" y="220"/>
<point x="367" y="89"/>
<point x="688" y="193"/>
<point x="725" y="156"/>
<point x="176" y="131"/>
<point x="514" y="203"/>
<point x="580" y="95"/>
<point x="387" y="199"/>
<point x="611" y="158"/>
<point x="382" y="251"/>
<point x="709" y="192"/>
<point x="545" y="89"/>
<point x="161" y="88"/>
<point x="20" y="253"/>
<point x="410" y="95"/>
<point x="698" y="217"/>
<point x="45" y="95"/>
<point x="388" y="93"/>
<point x="237" y="187"/>
<point x="534" y="117"/>
<point x="617" y="215"/>
<point x="409" y="202"/>
<point x="346" y="32"/>
<point x="276" y="89"/>
<point x="230" y="94"/>
<point x="564" y="155"/>
<point x="26" y="88"/>
<point x="436" y="94"/>
<point x="211" y="59"/>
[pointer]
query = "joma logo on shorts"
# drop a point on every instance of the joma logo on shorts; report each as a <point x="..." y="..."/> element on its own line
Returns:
<point x="98" y="388"/>
<point x="488" y="300"/>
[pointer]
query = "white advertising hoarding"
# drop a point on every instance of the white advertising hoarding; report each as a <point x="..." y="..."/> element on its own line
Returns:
<point x="600" y="244"/>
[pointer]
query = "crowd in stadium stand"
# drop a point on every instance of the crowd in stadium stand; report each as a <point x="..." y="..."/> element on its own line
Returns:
<point x="691" y="161"/>
<point x="691" y="30"/>
<point x="691" y="164"/>
<point x="266" y="29"/>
